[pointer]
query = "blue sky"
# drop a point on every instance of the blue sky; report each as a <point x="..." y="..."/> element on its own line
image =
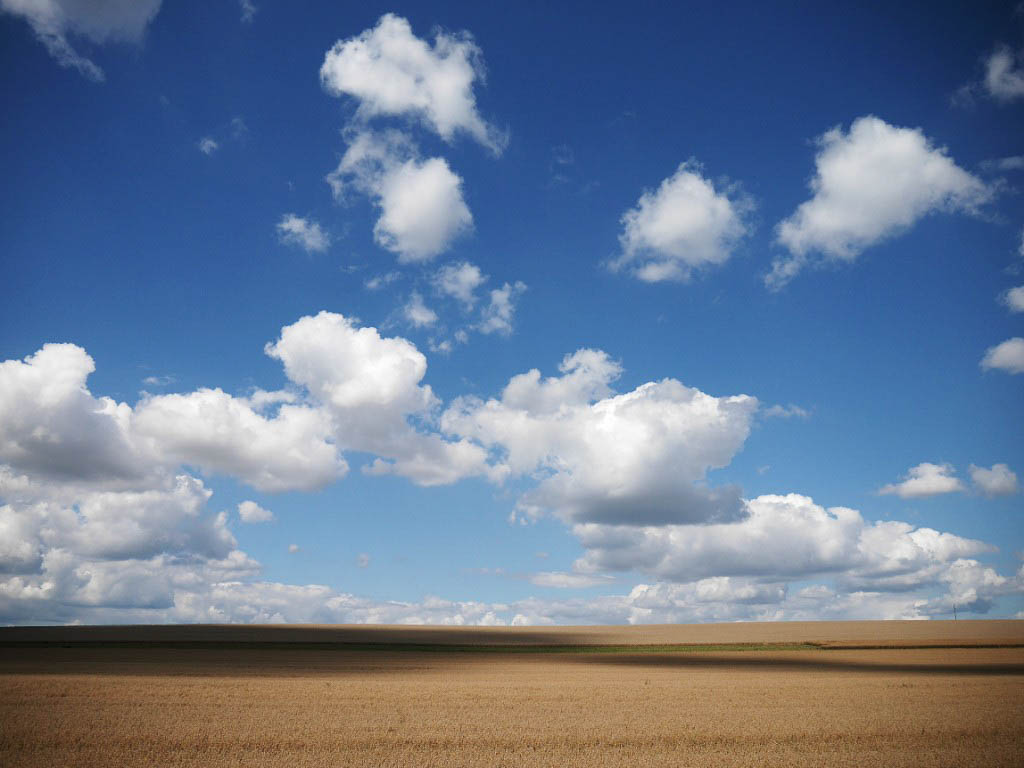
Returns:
<point x="510" y="315"/>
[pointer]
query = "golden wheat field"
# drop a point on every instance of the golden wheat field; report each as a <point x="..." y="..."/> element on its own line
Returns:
<point x="800" y="694"/>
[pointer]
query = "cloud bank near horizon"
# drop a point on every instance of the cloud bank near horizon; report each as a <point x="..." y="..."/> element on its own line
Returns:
<point x="104" y="521"/>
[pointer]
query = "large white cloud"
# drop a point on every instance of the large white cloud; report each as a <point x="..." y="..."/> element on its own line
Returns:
<point x="71" y="553"/>
<point x="1007" y="356"/>
<point x="223" y="434"/>
<point x="370" y="386"/>
<point x="871" y="183"/>
<point x="783" y="538"/>
<point x="100" y="22"/>
<point x="639" y="457"/>
<point x="52" y="427"/>
<point x="422" y="210"/>
<point x="51" y="521"/>
<point x="98" y="524"/>
<point x="114" y="555"/>
<point x="348" y="368"/>
<point x="163" y="589"/>
<point x="121" y="525"/>
<point x="390" y="71"/>
<point x="352" y="390"/>
<point x="683" y="226"/>
<point x="926" y="479"/>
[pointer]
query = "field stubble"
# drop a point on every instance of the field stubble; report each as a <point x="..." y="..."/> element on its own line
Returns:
<point x="281" y="707"/>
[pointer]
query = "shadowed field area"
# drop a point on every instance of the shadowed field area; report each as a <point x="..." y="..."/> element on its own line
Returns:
<point x="829" y="633"/>
<point x="388" y="696"/>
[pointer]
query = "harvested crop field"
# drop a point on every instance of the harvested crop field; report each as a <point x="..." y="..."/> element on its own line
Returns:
<point x="814" y="694"/>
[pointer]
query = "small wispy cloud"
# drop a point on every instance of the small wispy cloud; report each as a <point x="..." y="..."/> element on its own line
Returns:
<point x="497" y="316"/>
<point x="786" y="412"/>
<point x="1012" y="163"/>
<point x="459" y="281"/>
<point x="248" y="10"/>
<point x="208" y="145"/>
<point x="564" y="580"/>
<point x="563" y="155"/>
<point x="418" y="313"/>
<point x="304" y="233"/>
<point x="377" y="282"/>
<point x="1002" y="81"/>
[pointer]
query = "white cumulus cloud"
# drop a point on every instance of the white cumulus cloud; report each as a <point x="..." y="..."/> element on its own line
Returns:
<point x="52" y="427"/>
<point x="683" y="226"/>
<point x="497" y="316"/>
<point x="304" y="233"/>
<point x="999" y="480"/>
<point x="422" y="210"/>
<point x="251" y="512"/>
<point x="151" y="555"/>
<point x="926" y="479"/>
<point x="350" y="390"/>
<point x="99" y="522"/>
<point x="369" y="386"/>
<point x="1014" y="299"/>
<point x="418" y="313"/>
<point x="74" y="551"/>
<point x="390" y="71"/>
<point x="223" y="434"/>
<point x="100" y="22"/>
<point x="1007" y="356"/>
<point x="348" y="368"/>
<point x="782" y="538"/>
<point x="870" y="183"/>
<point x="460" y="281"/>
<point x="640" y="458"/>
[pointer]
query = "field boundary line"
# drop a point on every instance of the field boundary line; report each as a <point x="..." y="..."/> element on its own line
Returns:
<point x="495" y="648"/>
